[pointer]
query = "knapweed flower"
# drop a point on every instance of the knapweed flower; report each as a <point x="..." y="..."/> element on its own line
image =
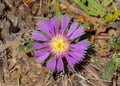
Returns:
<point x="55" y="41"/>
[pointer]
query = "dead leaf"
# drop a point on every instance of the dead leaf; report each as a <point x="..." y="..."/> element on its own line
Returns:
<point x="81" y="19"/>
<point x="29" y="1"/>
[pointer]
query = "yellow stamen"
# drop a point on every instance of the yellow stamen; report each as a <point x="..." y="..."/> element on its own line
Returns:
<point x="59" y="45"/>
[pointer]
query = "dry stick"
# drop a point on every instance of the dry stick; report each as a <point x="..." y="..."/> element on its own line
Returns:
<point x="78" y="11"/>
<point x="114" y="80"/>
<point x="48" y="81"/>
<point x="99" y="80"/>
<point x="93" y="20"/>
<point x="7" y="3"/>
<point x="84" y="79"/>
<point x="6" y="75"/>
<point x="65" y="81"/>
<point x="40" y="8"/>
<point x="1" y="74"/>
<point x="97" y="66"/>
<point x="92" y="72"/>
<point x="25" y="3"/>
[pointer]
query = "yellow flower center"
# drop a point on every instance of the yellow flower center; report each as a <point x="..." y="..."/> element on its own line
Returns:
<point x="59" y="45"/>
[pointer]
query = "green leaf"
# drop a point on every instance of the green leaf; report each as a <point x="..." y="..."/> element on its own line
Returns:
<point x="97" y="8"/>
<point x="93" y="8"/>
<point x="106" y="73"/>
<point x="27" y="48"/>
<point x="48" y="59"/>
<point x="117" y="60"/>
<point x="105" y="3"/>
<point x="57" y="9"/>
<point x="85" y="25"/>
<point x="77" y="39"/>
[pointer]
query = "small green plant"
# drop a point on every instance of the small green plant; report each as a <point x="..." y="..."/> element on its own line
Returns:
<point x="93" y="7"/>
<point x="111" y="65"/>
<point x="111" y="16"/>
<point x="27" y="48"/>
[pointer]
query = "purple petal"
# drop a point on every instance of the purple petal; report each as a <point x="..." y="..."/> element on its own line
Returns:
<point x="71" y="61"/>
<point x="41" y="52"/>
<point x="52" y="64"/>
<point x="78" y="50"/>
<point x="72" y="28"/>
<point x="78" y="55"/>
<point x="77" y="33"/>
<point x="64" y="22"/>
<point x="42" y="58"/>
<point x="50" y="24"/>
<point x="55" y="23"/>
<point x="38" y="45"/>
<point x="37" y="36"/>
<point x="60" y="66"/>
<point x="78" y="58"/>
<point x="82" y="45"/>
<point x="43" y="26"/>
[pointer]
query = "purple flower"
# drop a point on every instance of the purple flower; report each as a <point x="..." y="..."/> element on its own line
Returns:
<point x="55" y="41"/>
